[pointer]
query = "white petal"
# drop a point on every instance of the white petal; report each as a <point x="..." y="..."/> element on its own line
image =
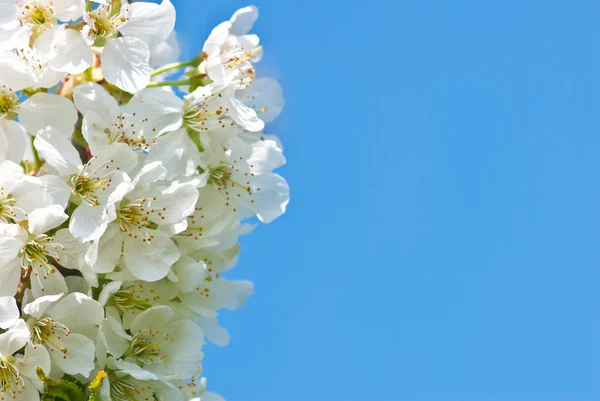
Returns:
<point x="213" y="331"/>
<point x="164" y="110"/>
<point x="34" y="356"/>
<point x="69" y="10"/>
<point x="150" y="173"/>
<point x="38" y="307"/>
<point x="185" y="351"/>
<point x="91" y="97"/>
<point x="56" y="188"/>
<point x="108" y="291"/>
<point x="190" y="273"/>
<point x="44" y="219"/>
<point x="47" y="283"/>
<point x="109" y="249"/>
<point x="266" y="156"/>
<point x="29" y="392"/>
<point x="265" y="96"/>
<point x="216" y="38"/>
<point x="177" y="152"/>
<point x="238" y="292"/>
<point x="13" y="135"/>
<point x="150" y="260"/>
<point x="79" y="358"/>
<point x="131" y="369"/>
<point x="12" y="237"/>
<point x="14" y="339"/>
<point x="73" y="54"/>
<point x="243" y="115"/>
<point x="10" y="276"/>
<point x="175" y="203"/>
<point x="271" y="200"/>
<point x="77" y="311"/>
<point x="115" y="336"/>
<point x="45" y="109"/>
<point x="59" y="153"/>
<point x="9" y="11"/>
<point x="152" y="23"/>
<point x="165" y="52"/>
<point x="9" y="312"/>
<point x="15" y="72"/>
<point x="94" y="129"/>
<point x="125" y="63"/>
<point x="88" y="222"/>
<point x="243" y="20"/>
<point x="151" y="318"/>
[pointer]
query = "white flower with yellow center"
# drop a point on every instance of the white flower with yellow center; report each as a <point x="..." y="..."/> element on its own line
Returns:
<point x="126" y="381"/>
<point x="125" y="31"/>
<point x="131" y="297"/>
<point x="96" y="185"/>
<point x="229" y="51"/>
<point x="243" y="178"/>
<point x="22" y="20"/>
<point x="35" y="113"/>
<point x="212" y="224"/>
<point x="202" y="287"/>
<point x="18" y="377"/>
<point x="36" y="252"/>
<point x="136" y="237"/>
<point x="63" y="326"/>
<point x="212" y="108"/>
<point x="105" y="122"/>
<point x="160" y="343"/>
<point x="28" y="68"/>
<point x="20" y="194"/>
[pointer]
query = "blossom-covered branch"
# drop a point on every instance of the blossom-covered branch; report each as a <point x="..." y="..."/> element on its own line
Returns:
<point x="126" y="178"/>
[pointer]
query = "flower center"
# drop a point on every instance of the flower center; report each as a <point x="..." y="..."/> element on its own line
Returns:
<point x="205" y="115"/>
<point x="38" y="14"/>
<point x="126" y="389"/>
<point x="49" y="332"/>
<point x="125" y="132"/>
<point x="85" y="187"/>
<point x="237" y="61"/>
<point x="145" y="346"/>
<point x="40" y="250"/>
<point x="9" y="103"/>
<point x="220" y="176"/>
<point x="104" y="22"/>
<point x="7" y="215"/>
<point x="10" y="379"/>
<point x="134" y="217"/>
<point x="126" y="300"/>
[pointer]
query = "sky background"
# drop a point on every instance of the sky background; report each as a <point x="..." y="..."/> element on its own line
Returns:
<point x="442" y="241"/>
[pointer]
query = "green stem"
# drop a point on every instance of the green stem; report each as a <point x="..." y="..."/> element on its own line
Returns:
<point x="88" y="6"/>
<point x="175" y="66"/>
<point x="36" y="156"/>
<point x="170" y="83"/>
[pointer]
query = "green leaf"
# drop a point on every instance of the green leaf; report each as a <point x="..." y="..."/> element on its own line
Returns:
<point x="60" y="390"/>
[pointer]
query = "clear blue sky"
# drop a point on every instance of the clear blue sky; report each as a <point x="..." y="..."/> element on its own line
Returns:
<point x="443" y="238"/>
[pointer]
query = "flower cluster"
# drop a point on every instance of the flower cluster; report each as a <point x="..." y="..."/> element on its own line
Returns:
<point x="126" y="178"/>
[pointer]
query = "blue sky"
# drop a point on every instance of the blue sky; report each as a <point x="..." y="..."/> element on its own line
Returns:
<point x="442" y="238"/>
